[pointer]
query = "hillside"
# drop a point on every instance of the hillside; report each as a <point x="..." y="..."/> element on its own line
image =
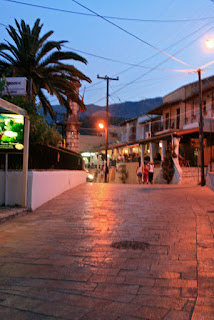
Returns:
<point x="125" y="110"/>
<point x="117" y="112"/>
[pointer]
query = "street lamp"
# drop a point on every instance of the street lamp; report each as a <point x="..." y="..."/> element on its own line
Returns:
<point x="209" y="43"/>
<point x="102" y="125"/>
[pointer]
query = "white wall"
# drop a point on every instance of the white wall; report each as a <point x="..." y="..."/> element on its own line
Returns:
<point x="210" y="180"/>
<point x="42" y="185"/>
<point x="210" y="177"/>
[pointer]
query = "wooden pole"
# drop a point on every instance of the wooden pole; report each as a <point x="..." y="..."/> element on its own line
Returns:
<point x="106" y="124"/>
<point x="25" y="162"/>
<point x="201" y="131"/>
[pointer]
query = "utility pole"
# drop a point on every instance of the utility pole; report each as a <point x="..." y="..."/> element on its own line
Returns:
<point x="201" y="129"/>
<point x="106" y="123"/>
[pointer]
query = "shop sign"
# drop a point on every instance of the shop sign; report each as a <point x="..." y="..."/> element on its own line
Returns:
<point x="15" y="86"/>
<point x="11" y="132"/>
<point x="196" y="143"/>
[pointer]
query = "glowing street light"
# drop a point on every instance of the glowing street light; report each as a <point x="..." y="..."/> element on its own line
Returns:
<point x="209" y="43"/>
<point x="101" y="126"/>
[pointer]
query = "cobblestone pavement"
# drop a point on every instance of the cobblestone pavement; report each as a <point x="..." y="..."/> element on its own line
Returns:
<point x="58" y="263"/>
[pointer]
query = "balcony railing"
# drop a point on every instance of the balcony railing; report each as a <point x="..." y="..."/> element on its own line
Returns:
<point x="132" y="137"/>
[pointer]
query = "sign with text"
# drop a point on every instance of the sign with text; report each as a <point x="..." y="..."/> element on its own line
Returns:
<point x="15" y="86"/>
<point x="11" y="132"/>
<point x="196" y="143"/>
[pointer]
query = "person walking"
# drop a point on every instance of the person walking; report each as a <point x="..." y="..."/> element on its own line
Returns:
<point x="139" y="172"/>
<point x="151" y="171"/>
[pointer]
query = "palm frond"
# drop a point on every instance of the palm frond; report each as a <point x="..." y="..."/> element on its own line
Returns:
<point x="62" y="55"/>
<point x="47" y="47"/>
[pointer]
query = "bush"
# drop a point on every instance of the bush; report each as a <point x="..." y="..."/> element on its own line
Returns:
<point x="123" y="173"/>
<point x="168" y="165"/>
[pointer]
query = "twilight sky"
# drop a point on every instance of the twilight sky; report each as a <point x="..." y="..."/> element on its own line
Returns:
<point x="178" y="28"/>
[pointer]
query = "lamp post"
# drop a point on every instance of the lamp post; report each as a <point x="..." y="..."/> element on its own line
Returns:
<point x="210" y="45"/>
<point x="106" y="124"/>
<point x="201" y="129"/>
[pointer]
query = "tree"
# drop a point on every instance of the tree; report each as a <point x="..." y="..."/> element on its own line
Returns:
<point x="40" y="61"/>
<point x="168" y="164"/>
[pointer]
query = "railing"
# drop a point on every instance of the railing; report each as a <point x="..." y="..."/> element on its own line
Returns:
<point x="45" y="157"/>
<point x="132" y="137"/>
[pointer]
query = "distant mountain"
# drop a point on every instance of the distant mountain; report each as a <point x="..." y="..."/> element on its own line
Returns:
<point x="125" y="110"/>
<point x="118" y="111"/>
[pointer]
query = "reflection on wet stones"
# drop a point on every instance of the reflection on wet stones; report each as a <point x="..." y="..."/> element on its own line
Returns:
<point x="130" y="245"/>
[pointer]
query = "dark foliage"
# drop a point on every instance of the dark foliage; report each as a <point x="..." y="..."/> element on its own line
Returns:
<point x="168" y="165"/>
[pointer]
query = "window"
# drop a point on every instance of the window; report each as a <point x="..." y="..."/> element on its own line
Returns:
<point x="167" y="121"/>
<point x="178" y="118"/>
<point x="204" y="108"/>
<point x="192" y="112"/>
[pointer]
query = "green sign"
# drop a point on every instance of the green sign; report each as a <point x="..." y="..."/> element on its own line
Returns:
<point x="11" y="132"/>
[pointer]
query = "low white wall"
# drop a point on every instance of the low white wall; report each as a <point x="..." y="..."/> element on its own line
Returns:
<point x="42" y="185"/>
<point x="210" y="177"/>
<point x="210" y="180"/>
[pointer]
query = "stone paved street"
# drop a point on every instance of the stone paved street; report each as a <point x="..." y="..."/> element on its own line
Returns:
<point x="58" y="263"/>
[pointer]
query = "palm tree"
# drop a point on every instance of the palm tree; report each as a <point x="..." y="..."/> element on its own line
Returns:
<point x="41" y="62"/>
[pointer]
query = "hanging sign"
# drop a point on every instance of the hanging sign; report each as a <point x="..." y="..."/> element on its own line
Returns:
<point x="196" y="143"/>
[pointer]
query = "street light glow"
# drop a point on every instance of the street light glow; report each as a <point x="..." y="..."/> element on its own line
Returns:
<point x="209" y="43"/>
<point x="101" y="125"/>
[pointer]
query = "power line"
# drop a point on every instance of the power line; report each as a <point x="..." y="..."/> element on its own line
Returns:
<point x="110" y="17"/>
<point x="127" y="63"/>
<point x="131" y="34"/>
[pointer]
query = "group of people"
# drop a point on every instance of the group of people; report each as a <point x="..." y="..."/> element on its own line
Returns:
<point x="134" y="157"/>
<point x="145" y="173"/>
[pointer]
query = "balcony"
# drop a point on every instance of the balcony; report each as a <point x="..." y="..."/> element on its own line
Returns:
<point x="162" y="131"/>
<point x="191" y="125"/>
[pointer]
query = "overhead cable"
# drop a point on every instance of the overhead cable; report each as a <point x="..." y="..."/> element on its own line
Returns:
<point x="110" y="17"/>
<point x="131" y="34"/>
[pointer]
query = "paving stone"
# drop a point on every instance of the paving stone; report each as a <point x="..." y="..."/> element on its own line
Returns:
<point x="176" y="283"/>
<point x="152" y="313"/>
<point x="177" y="315"/>
<point x="160" y="291"/>
<point x="100" y="315"/>
<point x="160" y="302"/>
<point x="118" y="288"/>
<point x="14" y="314"/>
